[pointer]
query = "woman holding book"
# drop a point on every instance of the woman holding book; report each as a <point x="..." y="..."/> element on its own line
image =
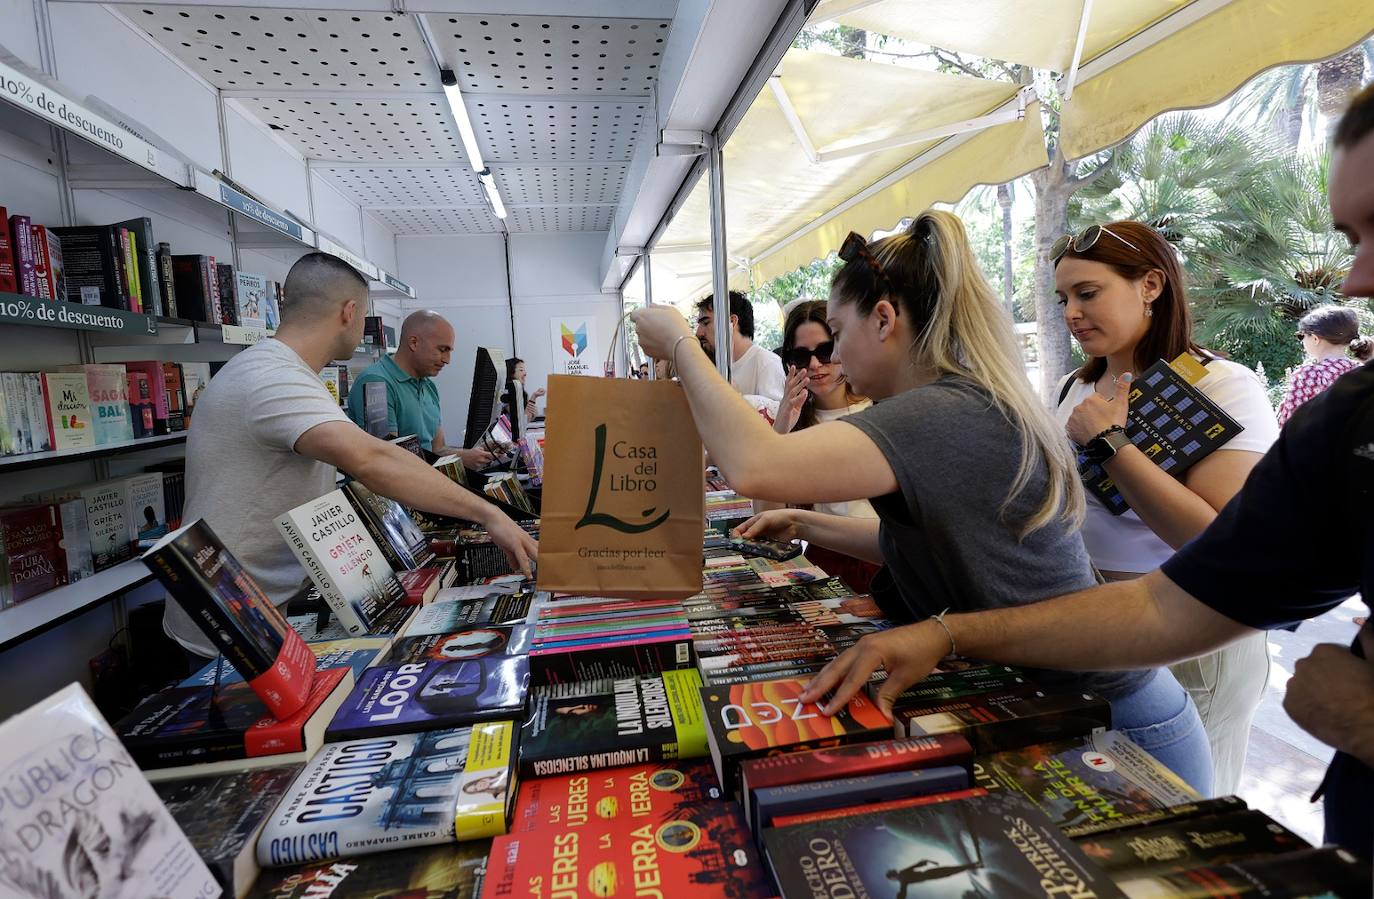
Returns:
<point x="817" y="391"/>
<point x="1124" y="300"/>
<point x="977" y="496"/>
<point x="1327" y="333"/>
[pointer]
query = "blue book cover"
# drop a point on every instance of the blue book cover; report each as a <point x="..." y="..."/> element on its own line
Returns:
<point x="352" y="653"/>
<point x="421" y="696"/>
<point x="821" y="795"/>
<point x="478" y="642"/>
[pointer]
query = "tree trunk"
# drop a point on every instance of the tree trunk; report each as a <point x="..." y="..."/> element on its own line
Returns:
<point x="856" y="43"/>
<point x="1337" y="79"/>
<point x="1004" y="199"/>
<point x="1054" y="186"/>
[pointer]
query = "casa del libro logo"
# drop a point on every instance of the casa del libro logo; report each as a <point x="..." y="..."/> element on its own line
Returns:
<point x="631" y="469"/>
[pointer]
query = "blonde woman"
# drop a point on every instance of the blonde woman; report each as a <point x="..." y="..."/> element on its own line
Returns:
<point x="977" y="497"/>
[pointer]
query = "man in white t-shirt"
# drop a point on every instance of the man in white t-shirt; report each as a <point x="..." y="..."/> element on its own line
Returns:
<point x="754" y="371"/>
<point x="269" y="437"/>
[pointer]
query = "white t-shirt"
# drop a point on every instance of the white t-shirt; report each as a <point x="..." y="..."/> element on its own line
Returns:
<point x="242" y="471"/>
<point x="1124" y="542"/>
<point x="855" y="508"/>
<point x="759" y="376"/>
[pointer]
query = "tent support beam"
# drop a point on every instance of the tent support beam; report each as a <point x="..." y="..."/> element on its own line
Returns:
<point x="789" y="112"/>
<point x="720" y="272"/>
<point x="1070" y="79"/>
<point x="1000" y="117"/>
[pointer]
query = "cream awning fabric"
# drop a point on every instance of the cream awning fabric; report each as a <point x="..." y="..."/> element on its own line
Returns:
<point x="1205" y="62"/>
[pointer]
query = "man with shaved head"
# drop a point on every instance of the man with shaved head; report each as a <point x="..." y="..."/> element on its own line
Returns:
<point x="412" y="399"/>
<point x="268" y="437"/>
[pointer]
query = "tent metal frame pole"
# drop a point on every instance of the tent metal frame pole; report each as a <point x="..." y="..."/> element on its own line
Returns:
<point x="720" y="265"/>
<point x="647" y="266"/>
<point x="1071" y="79"/>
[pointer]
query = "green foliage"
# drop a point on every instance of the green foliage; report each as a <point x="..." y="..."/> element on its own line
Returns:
<point x="811" y="280"/>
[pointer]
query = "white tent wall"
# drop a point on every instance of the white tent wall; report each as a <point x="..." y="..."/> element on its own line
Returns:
<point x="464" y="279"/>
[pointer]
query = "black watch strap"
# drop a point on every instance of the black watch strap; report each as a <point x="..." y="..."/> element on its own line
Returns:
<point x="1106" y="444"/>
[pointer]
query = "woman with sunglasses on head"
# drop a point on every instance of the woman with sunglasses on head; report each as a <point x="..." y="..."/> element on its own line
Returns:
<point x="817" y="391"/>
<point x="1124" y="300"/>
<point x="976" y="492"/>
<point x="1326" y="334"/>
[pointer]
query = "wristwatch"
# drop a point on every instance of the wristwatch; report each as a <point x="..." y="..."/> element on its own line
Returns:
<point x="1105" y="445"/>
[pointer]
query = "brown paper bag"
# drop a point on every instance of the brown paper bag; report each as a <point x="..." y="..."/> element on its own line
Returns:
<point x="624" y="498"/>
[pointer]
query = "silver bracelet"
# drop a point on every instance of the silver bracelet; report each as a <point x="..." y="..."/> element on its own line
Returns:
<point x="940" y="620"/>
<point x="673" y="354"/>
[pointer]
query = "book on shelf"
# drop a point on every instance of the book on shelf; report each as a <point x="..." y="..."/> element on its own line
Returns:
<point x="92" y="265"/>
<point x="48" y="248"/>
<point x="8" y="282"/>
<point x="703" y="851"/>
<point x="144" y="269"/>
<point x="331" y="541"/>
<point x="37" y="241"/>
<point x="21" y="243"/>
<point x="1085" y="781"/>
<point x="140" y="404"/>
<point x="192" y="280"/>
<point x="404" y="790"/>
<point x="211" y="729"/>
<point x="855" y="759"/>
<point x="42" y="547"/>
<point x="329" y="375"/>
<point x="391" y="527"/>
<point x="90" y="824"/>
<point x="107" y="518"/>
<point x="195" y="378"/>
<point x="157" y="386"/>
<point x="166" y="289"/>
<point x="222" y="815"/>
<point x="226" y="280"/>
<point x="434" y="872"/>
<point x="753" y="720"/>
<point x="174" y="386"/>
<point x="1328" y="873"/>
<point x="423" y="696"/>
<point x="994" y="845"/>
<point x="132" y="300"/>
<point x="18" y="429"/>
<point x="108" y="389"/>
<point x="1190" y="843"/>
<point x="219" y="595"/>
<point x="68" y="405"/>
<point x="249" y="300"/>
<point x="634" y="793"/>
<point x="590" y="725"/>
<point x="1010" y="719"/>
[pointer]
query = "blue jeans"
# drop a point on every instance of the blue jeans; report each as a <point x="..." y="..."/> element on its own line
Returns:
<point x="1161" y="719"/>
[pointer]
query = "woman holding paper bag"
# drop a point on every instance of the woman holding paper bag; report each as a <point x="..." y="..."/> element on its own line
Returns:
<point x="1124" y="301"/>
<point x="978" y="499"/>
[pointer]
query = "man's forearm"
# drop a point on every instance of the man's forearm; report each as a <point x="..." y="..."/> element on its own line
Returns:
<point x="1142" y="623"/>
<point x="857" y="537"/>
<point x="393" y="472"/>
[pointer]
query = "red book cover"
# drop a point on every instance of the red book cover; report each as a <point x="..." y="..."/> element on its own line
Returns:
<point x="745" y="721"/>
<point x="271" y="736"/>
<point x="630" y="793"/>
<point x="420" y="584"/>
<point x="156" y="386"/>
<point x="1012" y="719"/>
<point x="140" y="404"/>
<point x="42" y="265"/>
<point x="8" y="281"/>
<point x="876" y="807"/>
<point x="701" y="851"/>
<point x="174" y="388"/>
<point x="21" y="233"/>
<point x="32" y="559"/>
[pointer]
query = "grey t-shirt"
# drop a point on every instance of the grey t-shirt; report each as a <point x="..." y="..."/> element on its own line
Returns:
<point x="942" y="537"/>
<point x="242" y="471"/>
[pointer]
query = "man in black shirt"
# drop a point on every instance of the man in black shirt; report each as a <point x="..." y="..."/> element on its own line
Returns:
<point x="1245" y="572"/>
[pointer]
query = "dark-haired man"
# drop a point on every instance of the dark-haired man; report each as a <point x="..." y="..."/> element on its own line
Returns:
<point x="1244" y="573"/>
<point x="754" y="371"/>
<point x="269" y="437"/>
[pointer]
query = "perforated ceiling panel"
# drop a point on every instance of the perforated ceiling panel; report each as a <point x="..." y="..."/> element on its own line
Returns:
<point x="382" y="186"/>
<point x="475" y="220"/>
<point x="528" y="54"/>
<point x="524" y="185"/>
<point x="560" y="218"/>
<point x="365" y="130"/>
<point x="590" y="131"/>
<point x="234" y="47"/>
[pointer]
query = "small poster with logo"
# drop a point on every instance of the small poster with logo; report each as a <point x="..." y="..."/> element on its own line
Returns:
<point x="574" y="346"/>
<point x="623" y="504"/>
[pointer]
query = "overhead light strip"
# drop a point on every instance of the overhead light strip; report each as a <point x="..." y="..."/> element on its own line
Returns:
<point x="460" y="115"/>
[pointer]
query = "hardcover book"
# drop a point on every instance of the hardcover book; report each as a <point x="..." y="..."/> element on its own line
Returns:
<point x="108" y="389"/>
<point x="214" y="589"/>
<point x="994" y="846"/>
<point x="343" y="561"/>
<point x="140" y="404"/>
<point x="164" y="280"/>
<point x="248" y="300"/>
<point x="436" y="872"/>
<point x="157" y="382"/>
<point x="42" y="271"/>
<point x="184" y="731"/>
<point x="1086" y="782"/>
<point x="222" y="816"/>
<point x="143" y="250"/>
<point x="89" y="824"/>
<point x="226" y="283"/>
<point x="392" y="528"/>
<point x="363" y="796"/>
<point x="635" y="793"/>
<point x="850" y="761"/>
<point x="25" y="263"/>
<point x="1192" y="843"/>
<point x="1329" y="873"/>
<point x="421" y="585"/>
<point x="8" y="282"/>
<point x="146" y="507"/>
<point x="33" y="555"/>
<point x="191" y="277"/>
<point x="68" y="402"/>
<point x="748" y="721"/>
<point x="703" y="851"/>
<point x="432" y="695"/>
<point x="175" y="387"/>
<point x="587" y="726"/>
<point x="91" y="263"/>
<point x="845" y="792"/>
<point x="106" y="519"/>
<point x="476" y="642"/>
<point x="1008" y="720"/>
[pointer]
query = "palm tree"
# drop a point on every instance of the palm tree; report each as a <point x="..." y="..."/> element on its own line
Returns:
<point x="1282" y="97"/>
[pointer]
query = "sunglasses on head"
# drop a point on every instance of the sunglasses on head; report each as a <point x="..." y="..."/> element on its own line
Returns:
<point x="800" y="357"/>
<point x="1084" y="241"/>
<point x="856" y="247"/>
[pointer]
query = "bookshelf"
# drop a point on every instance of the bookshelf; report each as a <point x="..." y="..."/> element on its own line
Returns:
<point x="37" y="614"/>
<point x="10" y="464"/>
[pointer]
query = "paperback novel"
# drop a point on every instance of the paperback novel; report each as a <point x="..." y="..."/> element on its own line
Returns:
<point x="1191" y="843"/>
<point x="1328" y="873"/>
<point x="392" y="528"/>
<point x="108" y="389"/>
<point x="476" y="642"/>
<point x="649" y="792"/>
<point x="68" y="402"/>
<point x="1022" y="716"/>
<point x="436" y="872"/>
<point x="423" y="696"/>
<point x="770" y="803"/>
<point x="443" y="616"/>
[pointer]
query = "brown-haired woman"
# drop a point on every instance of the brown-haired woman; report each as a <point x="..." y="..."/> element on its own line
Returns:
<point x="1124" y="300"/>
<point x="817" y="391"/>
<point x="1327" y="333"/>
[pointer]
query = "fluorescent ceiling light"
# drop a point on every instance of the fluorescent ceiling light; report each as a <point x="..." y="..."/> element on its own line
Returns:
<point x="460" y="115"/>
<point x="489" y="184"/>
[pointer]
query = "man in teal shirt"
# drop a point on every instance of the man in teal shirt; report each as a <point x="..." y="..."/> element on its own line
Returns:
<point x="412" y="399"/>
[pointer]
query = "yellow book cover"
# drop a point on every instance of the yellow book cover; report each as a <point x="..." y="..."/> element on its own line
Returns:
<point x="487" y="788"/>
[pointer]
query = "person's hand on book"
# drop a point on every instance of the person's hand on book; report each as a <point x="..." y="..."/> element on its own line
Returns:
<point x="774" y="524"/>
<point x="908" y="653"/>
<point x="659" y="328"/>
<point x="1098" y="413"/>
<point x="520" y="548"/>
<point x="475" y="459"/>
<point x="793" y="398"/>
